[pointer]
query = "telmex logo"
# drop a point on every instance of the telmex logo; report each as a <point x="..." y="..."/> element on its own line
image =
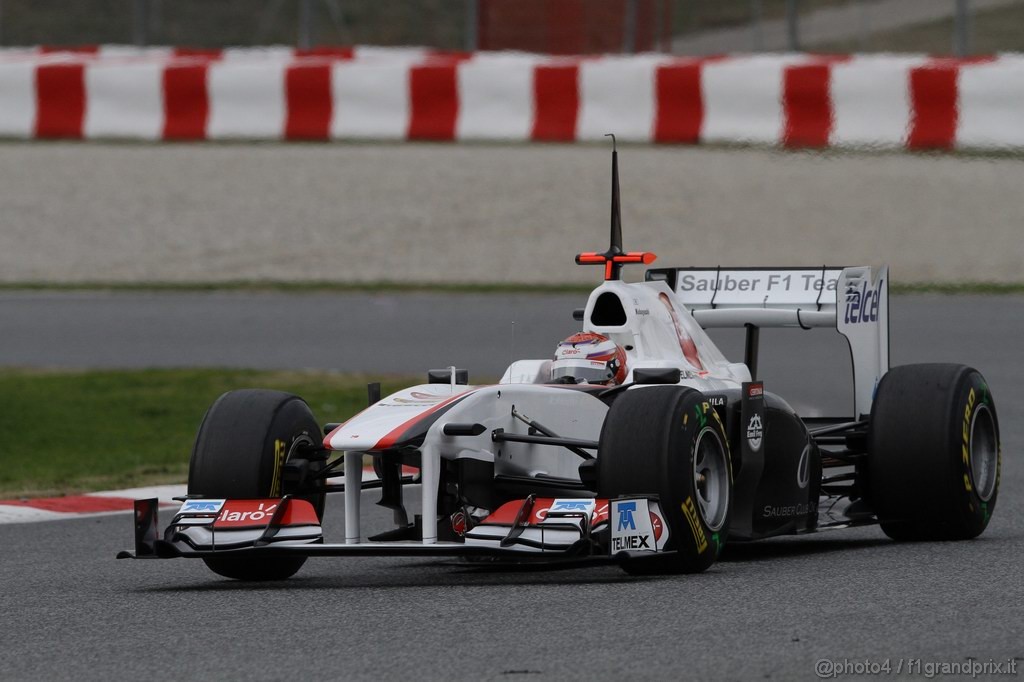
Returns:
<point x="581" y="505"/>
<point x="584" y="506"/>
<point x="201" y="506"/>
<point x="862" y="305"/>
<point x="626" y="520"/>
<point x="631" y="542"/>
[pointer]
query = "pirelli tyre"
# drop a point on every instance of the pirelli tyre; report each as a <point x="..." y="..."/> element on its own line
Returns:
<point x="669" y="442"/>
<point x="240" y="450"/>
<point x="933" y="453"/>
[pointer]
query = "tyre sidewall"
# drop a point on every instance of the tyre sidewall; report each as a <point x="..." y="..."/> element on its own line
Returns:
<point x="238" y="459"/>
<point x="691" y="537"/>
<point x="971" y="511"/>
<point x="293" y="421"/>
<point x="240" y="450"/>
<point x="920" y="481"/>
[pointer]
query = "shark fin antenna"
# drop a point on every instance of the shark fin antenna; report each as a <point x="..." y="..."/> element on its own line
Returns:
<point x="614" y="258"/>
<point x="615" y="244"/>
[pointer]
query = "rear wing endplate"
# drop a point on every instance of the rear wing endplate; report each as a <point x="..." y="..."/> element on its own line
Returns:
<point x="796" y="297"/>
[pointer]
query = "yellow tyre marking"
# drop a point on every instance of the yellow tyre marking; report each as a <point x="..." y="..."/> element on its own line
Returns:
<point x="280" y="451"/>
<point x="690" y="512"/>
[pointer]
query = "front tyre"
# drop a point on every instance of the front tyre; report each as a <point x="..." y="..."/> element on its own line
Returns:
<point x="240" y="451"/>
<point x="933" y="453"/>
<point x="668" y="441"/>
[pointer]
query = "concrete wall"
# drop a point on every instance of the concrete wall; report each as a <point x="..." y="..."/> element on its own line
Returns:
<point x="74" y="212"/>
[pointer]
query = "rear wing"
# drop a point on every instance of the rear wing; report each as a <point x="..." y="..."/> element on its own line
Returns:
<point x="796" y="297"/>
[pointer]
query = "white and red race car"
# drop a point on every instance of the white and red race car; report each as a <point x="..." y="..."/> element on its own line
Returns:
<point x="654" y="472"/>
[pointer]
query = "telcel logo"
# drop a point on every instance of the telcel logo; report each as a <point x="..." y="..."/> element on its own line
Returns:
<point x="862" y="306"/>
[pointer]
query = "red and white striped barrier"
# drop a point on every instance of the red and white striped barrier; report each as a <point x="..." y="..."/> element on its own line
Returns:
<point x="796" y="100"/>
<point x="90" y="504"/>
<point x="34" y="509"/>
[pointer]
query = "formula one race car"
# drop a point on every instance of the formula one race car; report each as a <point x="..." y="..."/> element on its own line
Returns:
<point x="639" y="443"/>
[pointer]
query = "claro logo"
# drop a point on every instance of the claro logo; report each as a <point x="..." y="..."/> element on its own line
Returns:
<point x="246" y="513"/>
<point x="862" y="304"/>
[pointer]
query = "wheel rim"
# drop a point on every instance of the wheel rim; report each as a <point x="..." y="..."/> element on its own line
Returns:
<point x="711" y="478"/>
<point x="984" y="453"/>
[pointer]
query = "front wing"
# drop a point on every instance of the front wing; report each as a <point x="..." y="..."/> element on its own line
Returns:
<point x="529" y="530"/>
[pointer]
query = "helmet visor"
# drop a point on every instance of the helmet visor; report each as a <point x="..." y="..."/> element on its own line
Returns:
<point x="590" y="371"/>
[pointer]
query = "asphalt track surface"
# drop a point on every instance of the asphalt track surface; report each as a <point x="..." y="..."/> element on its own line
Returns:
<point x="768" y="610"/>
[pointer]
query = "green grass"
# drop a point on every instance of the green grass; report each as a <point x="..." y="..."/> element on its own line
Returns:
<point x="979" y="288"/>
<point x="202" y="23"/>
<point x="437" y="23"/>
<point x="994" y="30"/>
<point x="70" y="431"/>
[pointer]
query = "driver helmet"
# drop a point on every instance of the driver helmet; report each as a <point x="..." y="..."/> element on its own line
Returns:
<point x="591" y="358"/>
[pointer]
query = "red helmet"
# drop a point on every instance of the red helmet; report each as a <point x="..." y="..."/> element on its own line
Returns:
<point x="590" y="357"/>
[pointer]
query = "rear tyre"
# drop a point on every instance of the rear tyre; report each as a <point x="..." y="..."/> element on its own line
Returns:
<point x="667" y="440"/>
<point x="240" y="451"/>
<point x="933" y="453"/>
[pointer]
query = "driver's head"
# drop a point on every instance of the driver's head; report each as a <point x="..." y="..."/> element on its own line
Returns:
<point x="591" y="358"/>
